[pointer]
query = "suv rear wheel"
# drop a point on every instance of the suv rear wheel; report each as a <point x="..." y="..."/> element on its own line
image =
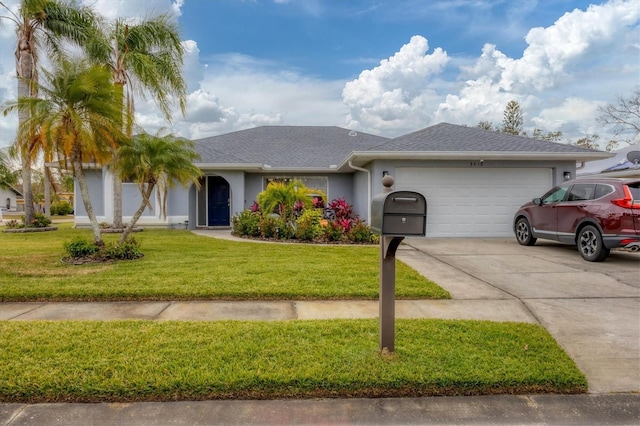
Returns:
<point x="523" y="232"/>
<point x="590" y="244"/>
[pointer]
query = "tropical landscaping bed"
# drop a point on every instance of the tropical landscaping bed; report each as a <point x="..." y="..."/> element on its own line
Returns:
<point x="289" y="211"/>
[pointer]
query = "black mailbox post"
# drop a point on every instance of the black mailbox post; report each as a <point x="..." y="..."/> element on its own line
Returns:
<point x="394" y="215"/>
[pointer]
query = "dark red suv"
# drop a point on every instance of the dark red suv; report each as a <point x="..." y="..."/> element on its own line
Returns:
<point x="595" y="214"/>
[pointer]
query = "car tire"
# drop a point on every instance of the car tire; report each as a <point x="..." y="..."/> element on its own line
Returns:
<point x="523" y="232"/>
<point x="590" y="244"/>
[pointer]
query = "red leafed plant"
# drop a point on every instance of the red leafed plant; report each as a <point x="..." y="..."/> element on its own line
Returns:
<point x="342" y="209"/>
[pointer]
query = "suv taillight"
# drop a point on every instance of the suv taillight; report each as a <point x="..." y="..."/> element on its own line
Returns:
<point x="627" y="202"/>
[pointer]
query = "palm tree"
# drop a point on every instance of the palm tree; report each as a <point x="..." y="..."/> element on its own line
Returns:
<point x="144" y="58"/>
<point x="46" y="23"/>
<point x="74" y="116"/>
<point x="7" y="176"/>
<point x="156" y="162"/>
<point x="281" y="198"/>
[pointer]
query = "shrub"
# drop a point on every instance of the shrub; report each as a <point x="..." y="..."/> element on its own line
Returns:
<point x="14" y="224"/>
<point x="127" y="250"/>
<point x="331" y="231"/>
<point x="359" y="232"/>
<point x="39" y="221"/>
<point x="286" y="231"/>
<point x="269" y="226"/>
<point x="80" y="247"/>
<point x="247" y="223"/>
<point x="61" y="208"/>
<point x="308" y="225"/>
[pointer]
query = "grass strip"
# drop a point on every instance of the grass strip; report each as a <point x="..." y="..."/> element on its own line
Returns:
<point x="161" y="361"/>
<point x="179" y="265"/>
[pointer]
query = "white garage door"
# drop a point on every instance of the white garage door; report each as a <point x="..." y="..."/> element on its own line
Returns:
<point x="474" y="202"/>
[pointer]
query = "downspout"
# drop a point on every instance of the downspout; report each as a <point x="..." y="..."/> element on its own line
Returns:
<point x="368" y="172"/>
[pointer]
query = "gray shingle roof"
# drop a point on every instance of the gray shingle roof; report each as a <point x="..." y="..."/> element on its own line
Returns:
<point x="320" y="147"/>
<point x="286" y="146"/>
<point x="451" y="138"/>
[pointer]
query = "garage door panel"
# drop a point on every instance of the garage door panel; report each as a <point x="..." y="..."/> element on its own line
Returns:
<point x="473" y="202"/>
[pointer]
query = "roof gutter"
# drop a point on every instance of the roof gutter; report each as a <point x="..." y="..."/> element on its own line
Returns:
<point x="364" y="157"/>
<point x="368" y="172"/>
<point x="266" y="168"/>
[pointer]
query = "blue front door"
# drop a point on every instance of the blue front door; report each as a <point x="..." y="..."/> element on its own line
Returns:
<point x="218" y="201"/>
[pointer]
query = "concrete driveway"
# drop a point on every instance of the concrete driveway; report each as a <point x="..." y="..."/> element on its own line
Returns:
<point x="592" y="309"/>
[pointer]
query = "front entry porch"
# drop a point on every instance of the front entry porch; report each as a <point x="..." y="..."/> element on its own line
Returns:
<point x="214" y="203"/>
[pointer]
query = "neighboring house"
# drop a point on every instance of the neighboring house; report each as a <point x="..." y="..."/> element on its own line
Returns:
<point x="9" y="198"/>
<point x="624" y="163"/>
<point x="473" y="180"/>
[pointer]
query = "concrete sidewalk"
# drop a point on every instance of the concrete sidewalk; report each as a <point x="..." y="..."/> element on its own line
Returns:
<point x="500" y="310"/>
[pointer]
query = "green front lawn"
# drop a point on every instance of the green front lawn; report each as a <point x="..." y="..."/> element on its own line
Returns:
<point x="179" y="265"/>
<point x="158" y="361"/>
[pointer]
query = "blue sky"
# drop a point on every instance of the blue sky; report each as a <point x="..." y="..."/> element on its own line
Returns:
<point x="338" y="39"/>
<point x="386" y="67"/>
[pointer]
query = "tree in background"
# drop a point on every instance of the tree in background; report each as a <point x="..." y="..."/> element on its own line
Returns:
<point x="45" y="23"/>
<point x="73" y="116"/>
<point x="156" y="162"/>
<point x="486" y="125"/>
<point x="589" y="141"/>
<point x="512" y="119"/>
<point x="624" y="115"/>
<point x="512" y="123"/>
<point x="549" y="137"/>
<point x="143" y="58"/>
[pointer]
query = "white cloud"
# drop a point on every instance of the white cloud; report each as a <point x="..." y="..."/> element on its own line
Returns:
<point x="580" y="55"/>
<point x="567" y="69"/>
<point x="571" y="111"/>
<point x="395" y="95"/>
<point x="112" y="9"/>
<point x="255" y="97"/>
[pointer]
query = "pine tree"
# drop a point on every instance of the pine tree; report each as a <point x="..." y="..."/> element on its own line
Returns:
<point x="512" y="119"/>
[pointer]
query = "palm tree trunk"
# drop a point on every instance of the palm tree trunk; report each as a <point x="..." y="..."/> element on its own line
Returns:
<point x="117" y="182"/>
<point x="24" y="68"/>
<point x="84" y="192"/>
<point x="117" y="202"/>
<point x="47" y="192"/>
<point x="27" y="191"/>
<point x="137" y="214"/>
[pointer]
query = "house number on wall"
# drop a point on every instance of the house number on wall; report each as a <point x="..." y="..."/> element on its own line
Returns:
<point x="476" y="163"/>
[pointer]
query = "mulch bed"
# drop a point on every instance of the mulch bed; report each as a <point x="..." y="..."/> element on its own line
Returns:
<point x="29" y="229"/>
<point x="296" y="241"/>
<point x="92" y="260"/>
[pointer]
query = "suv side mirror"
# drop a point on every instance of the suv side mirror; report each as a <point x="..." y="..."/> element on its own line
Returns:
<point x="537" y="201"/>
